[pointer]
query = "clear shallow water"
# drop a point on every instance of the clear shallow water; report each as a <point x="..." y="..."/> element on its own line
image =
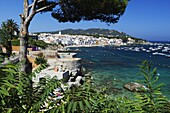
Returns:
<point x="113" y="68"/>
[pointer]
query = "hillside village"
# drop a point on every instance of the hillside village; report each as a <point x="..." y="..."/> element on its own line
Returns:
<point x="83" y="40"/>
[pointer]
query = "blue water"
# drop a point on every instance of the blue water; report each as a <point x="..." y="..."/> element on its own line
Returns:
<point x="113" y="68"/>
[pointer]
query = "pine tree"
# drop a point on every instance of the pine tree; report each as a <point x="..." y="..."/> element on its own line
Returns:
<point x="67" y="11"/>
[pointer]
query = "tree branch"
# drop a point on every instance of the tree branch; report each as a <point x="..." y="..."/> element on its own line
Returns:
<point x="32" y="13"/>
<point x="26" y="9"/>
<point x="33" y="9"/>
<point x="45" y="7"/>
<point x="32" y="3"/>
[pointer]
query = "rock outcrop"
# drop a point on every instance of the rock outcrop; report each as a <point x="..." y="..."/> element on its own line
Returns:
<point x="135" y="87"/>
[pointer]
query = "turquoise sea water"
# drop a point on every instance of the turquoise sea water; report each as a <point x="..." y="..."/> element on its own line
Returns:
<point x="113" y="68"/>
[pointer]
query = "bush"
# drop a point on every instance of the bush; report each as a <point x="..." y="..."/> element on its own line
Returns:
<point x="40" y="59"/>
<point x="152" y="100"/>
<point x="15" y="42"/>
<point x="17" y="93"/>
<point x="41" y="44"/>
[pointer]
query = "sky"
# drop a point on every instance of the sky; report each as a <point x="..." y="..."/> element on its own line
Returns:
<point x="146" y="19"/>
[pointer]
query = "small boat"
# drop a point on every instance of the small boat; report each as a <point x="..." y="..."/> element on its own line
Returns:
<point x="148" y="51"/>
<point x="143" y="49"/>
<point x="155" y="53"/>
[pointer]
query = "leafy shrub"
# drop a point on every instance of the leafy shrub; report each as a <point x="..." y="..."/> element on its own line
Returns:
<point x="15" y="42"/>
<point x="40" y="59"/>
<point x="17" y="94"/>
<point x="152" y="100"/>
<point x="38" y="43"/>
<point x="87" y="99"/>
<point x="1" y="56"/>
<point x="41" y="44"/>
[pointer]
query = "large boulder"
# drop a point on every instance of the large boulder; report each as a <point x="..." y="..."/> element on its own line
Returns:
<point x="135" y="87"/>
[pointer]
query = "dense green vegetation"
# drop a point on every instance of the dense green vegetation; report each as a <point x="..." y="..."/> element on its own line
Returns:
<point x="152" y="100"/>
<point x="18" y="95"/>
<point x="40" y="59"/>
<point x="32" y="42"/>
<point x="15" y="42"/>
<point x="7" y="33"/>
<point x="38" y="43"/>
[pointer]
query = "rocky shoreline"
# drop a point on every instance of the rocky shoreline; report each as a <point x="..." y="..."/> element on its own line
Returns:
<point x="67" y="68"/>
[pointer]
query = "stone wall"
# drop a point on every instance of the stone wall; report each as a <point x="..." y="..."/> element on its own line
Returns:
<point x="70" y="63"/>
<point x="46" y="53"/>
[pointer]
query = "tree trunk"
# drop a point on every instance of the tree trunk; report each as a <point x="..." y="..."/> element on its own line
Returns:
<point x="24" y="63"/>
<point x="10" y="44"/>
<point x="29" y="12"/>
<point x="9" y="48"/>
